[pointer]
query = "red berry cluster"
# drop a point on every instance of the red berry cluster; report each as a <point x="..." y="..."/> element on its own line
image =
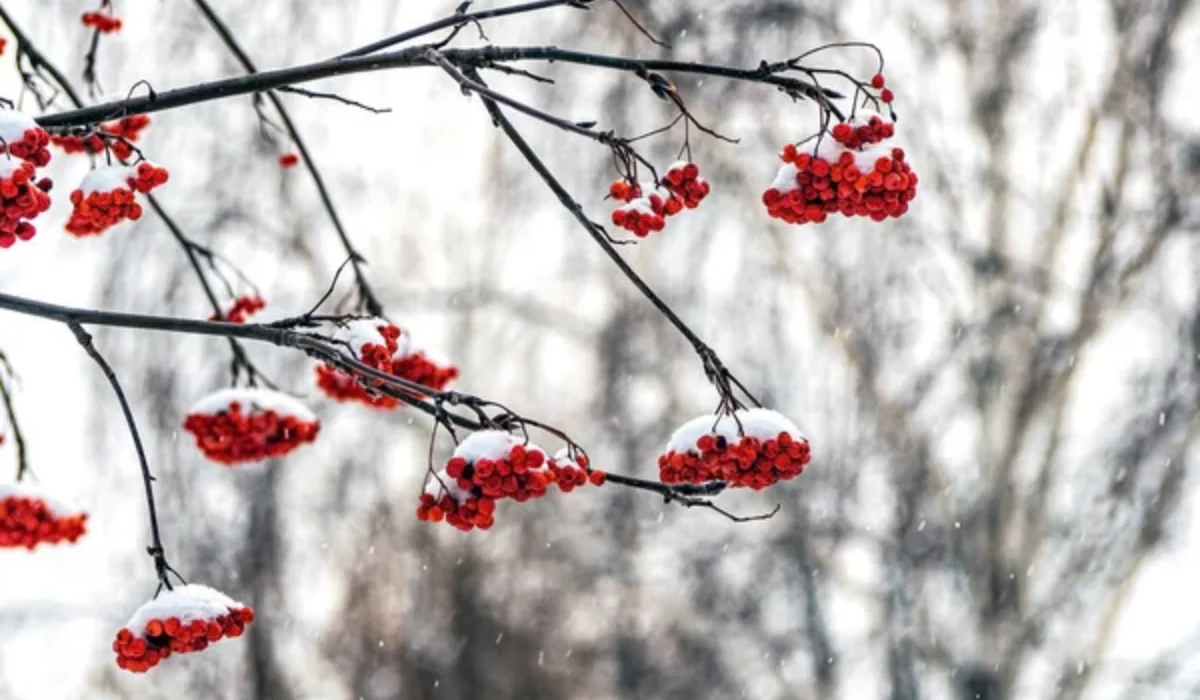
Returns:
<point x="288" y="160"/>
<point x="418" y="367"/>
<point x="385" y="347"/>
<point x="270" y="427"/>
<point x="21" y="199"/>
<point x="27" y="520"/>
<point x="105" y="198"/>
<point x="492" y="465"/>
<point x="684" y="181"/>
<point x="102" y="22"/>
<point x="570" y="472"/>
<point x="158" y="638"/>
<point x="243" y="307"/>
<point x="376" y="352"/>
<point x="148" y="176"/>
<point x="644" y="214"/>
<point x="767" y="449"/>
<point x="122" y="132"/>
<point x="23" y="138"/>
<point x="857" y="133"/>
<point x="865" y="179"/>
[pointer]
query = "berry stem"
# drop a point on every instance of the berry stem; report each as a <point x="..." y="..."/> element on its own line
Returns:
<point x="156" y="549"/>
<point x="712" y="363"/>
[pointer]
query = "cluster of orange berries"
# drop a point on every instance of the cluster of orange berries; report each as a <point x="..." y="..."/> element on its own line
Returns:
<point x="753" y="448"/>
<point x="491" y="465"/>
<point x="29" y="518"/>
<point x="21" y="199"/>
<point x="120" y="134"/>
<point x="852" y="173"/>
<point x="243" y="307"/>
<point x="105" y="198"/>
<point x="102" y="22"/>
<point x="383" y="346"/>
<point x="643" y="214"/>
<point x="237" y="426"/>
<point x="184" y="620"/>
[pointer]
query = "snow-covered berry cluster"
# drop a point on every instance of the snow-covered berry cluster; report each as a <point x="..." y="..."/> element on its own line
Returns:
<point x="237" y="426"/>
<point x="243" y="307"/>
<point x="105" y="198"/>
<point x="29" y="517"/>
<point x="384" y="346"/>
<point x="755" y="448"/>
<point x="23" y="138"/>
<point x="21" y="200"/>
<point x="684" y="181"/>
<point x="647" y="206"/>
<point x="119" y="133"/>
<point x="183" y="620"/>
<point x="491" y="465"/>
<point x="103" y="22"/>
<point x="852" y="173"/>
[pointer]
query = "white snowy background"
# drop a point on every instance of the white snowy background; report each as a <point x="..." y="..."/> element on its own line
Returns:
<point x="876" y="339"/>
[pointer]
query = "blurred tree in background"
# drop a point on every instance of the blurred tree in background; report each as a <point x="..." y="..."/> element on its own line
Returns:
<point x="1001" y="388"/>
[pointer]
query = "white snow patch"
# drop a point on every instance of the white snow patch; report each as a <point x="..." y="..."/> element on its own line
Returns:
<point x="253" y="400"/>
<point x="190" y="602"/>
<point x="785" y="179"/>
<point x="14" y="124"/>
<point x="9" y="165"/>
<point x="761" y="423"/>
<point x="57" y="507"/>
<point x="491" y="444"/>
<point x="434" y="488"/>
<point x="107" y="178"/>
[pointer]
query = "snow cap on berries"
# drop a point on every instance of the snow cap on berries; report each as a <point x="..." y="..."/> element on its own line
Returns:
<point x="183" y="620"/>
<point x="755" y="448"/>
<point x="239" y="425"/>
<point x="761" y="423"/>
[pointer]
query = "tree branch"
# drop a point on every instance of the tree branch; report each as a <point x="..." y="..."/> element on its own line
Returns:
<point x="415" y="56"/>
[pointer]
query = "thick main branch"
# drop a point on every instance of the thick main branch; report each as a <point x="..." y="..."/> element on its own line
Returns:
<point x="412" y="57"/>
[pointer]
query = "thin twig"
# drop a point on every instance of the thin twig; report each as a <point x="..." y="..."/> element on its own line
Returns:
<point x="456" y="19"/>
<point x="11" y="411"/>
<point x="156" y="549"/>
<point x="335" y="97"/>
<point x="708" y="357"/>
